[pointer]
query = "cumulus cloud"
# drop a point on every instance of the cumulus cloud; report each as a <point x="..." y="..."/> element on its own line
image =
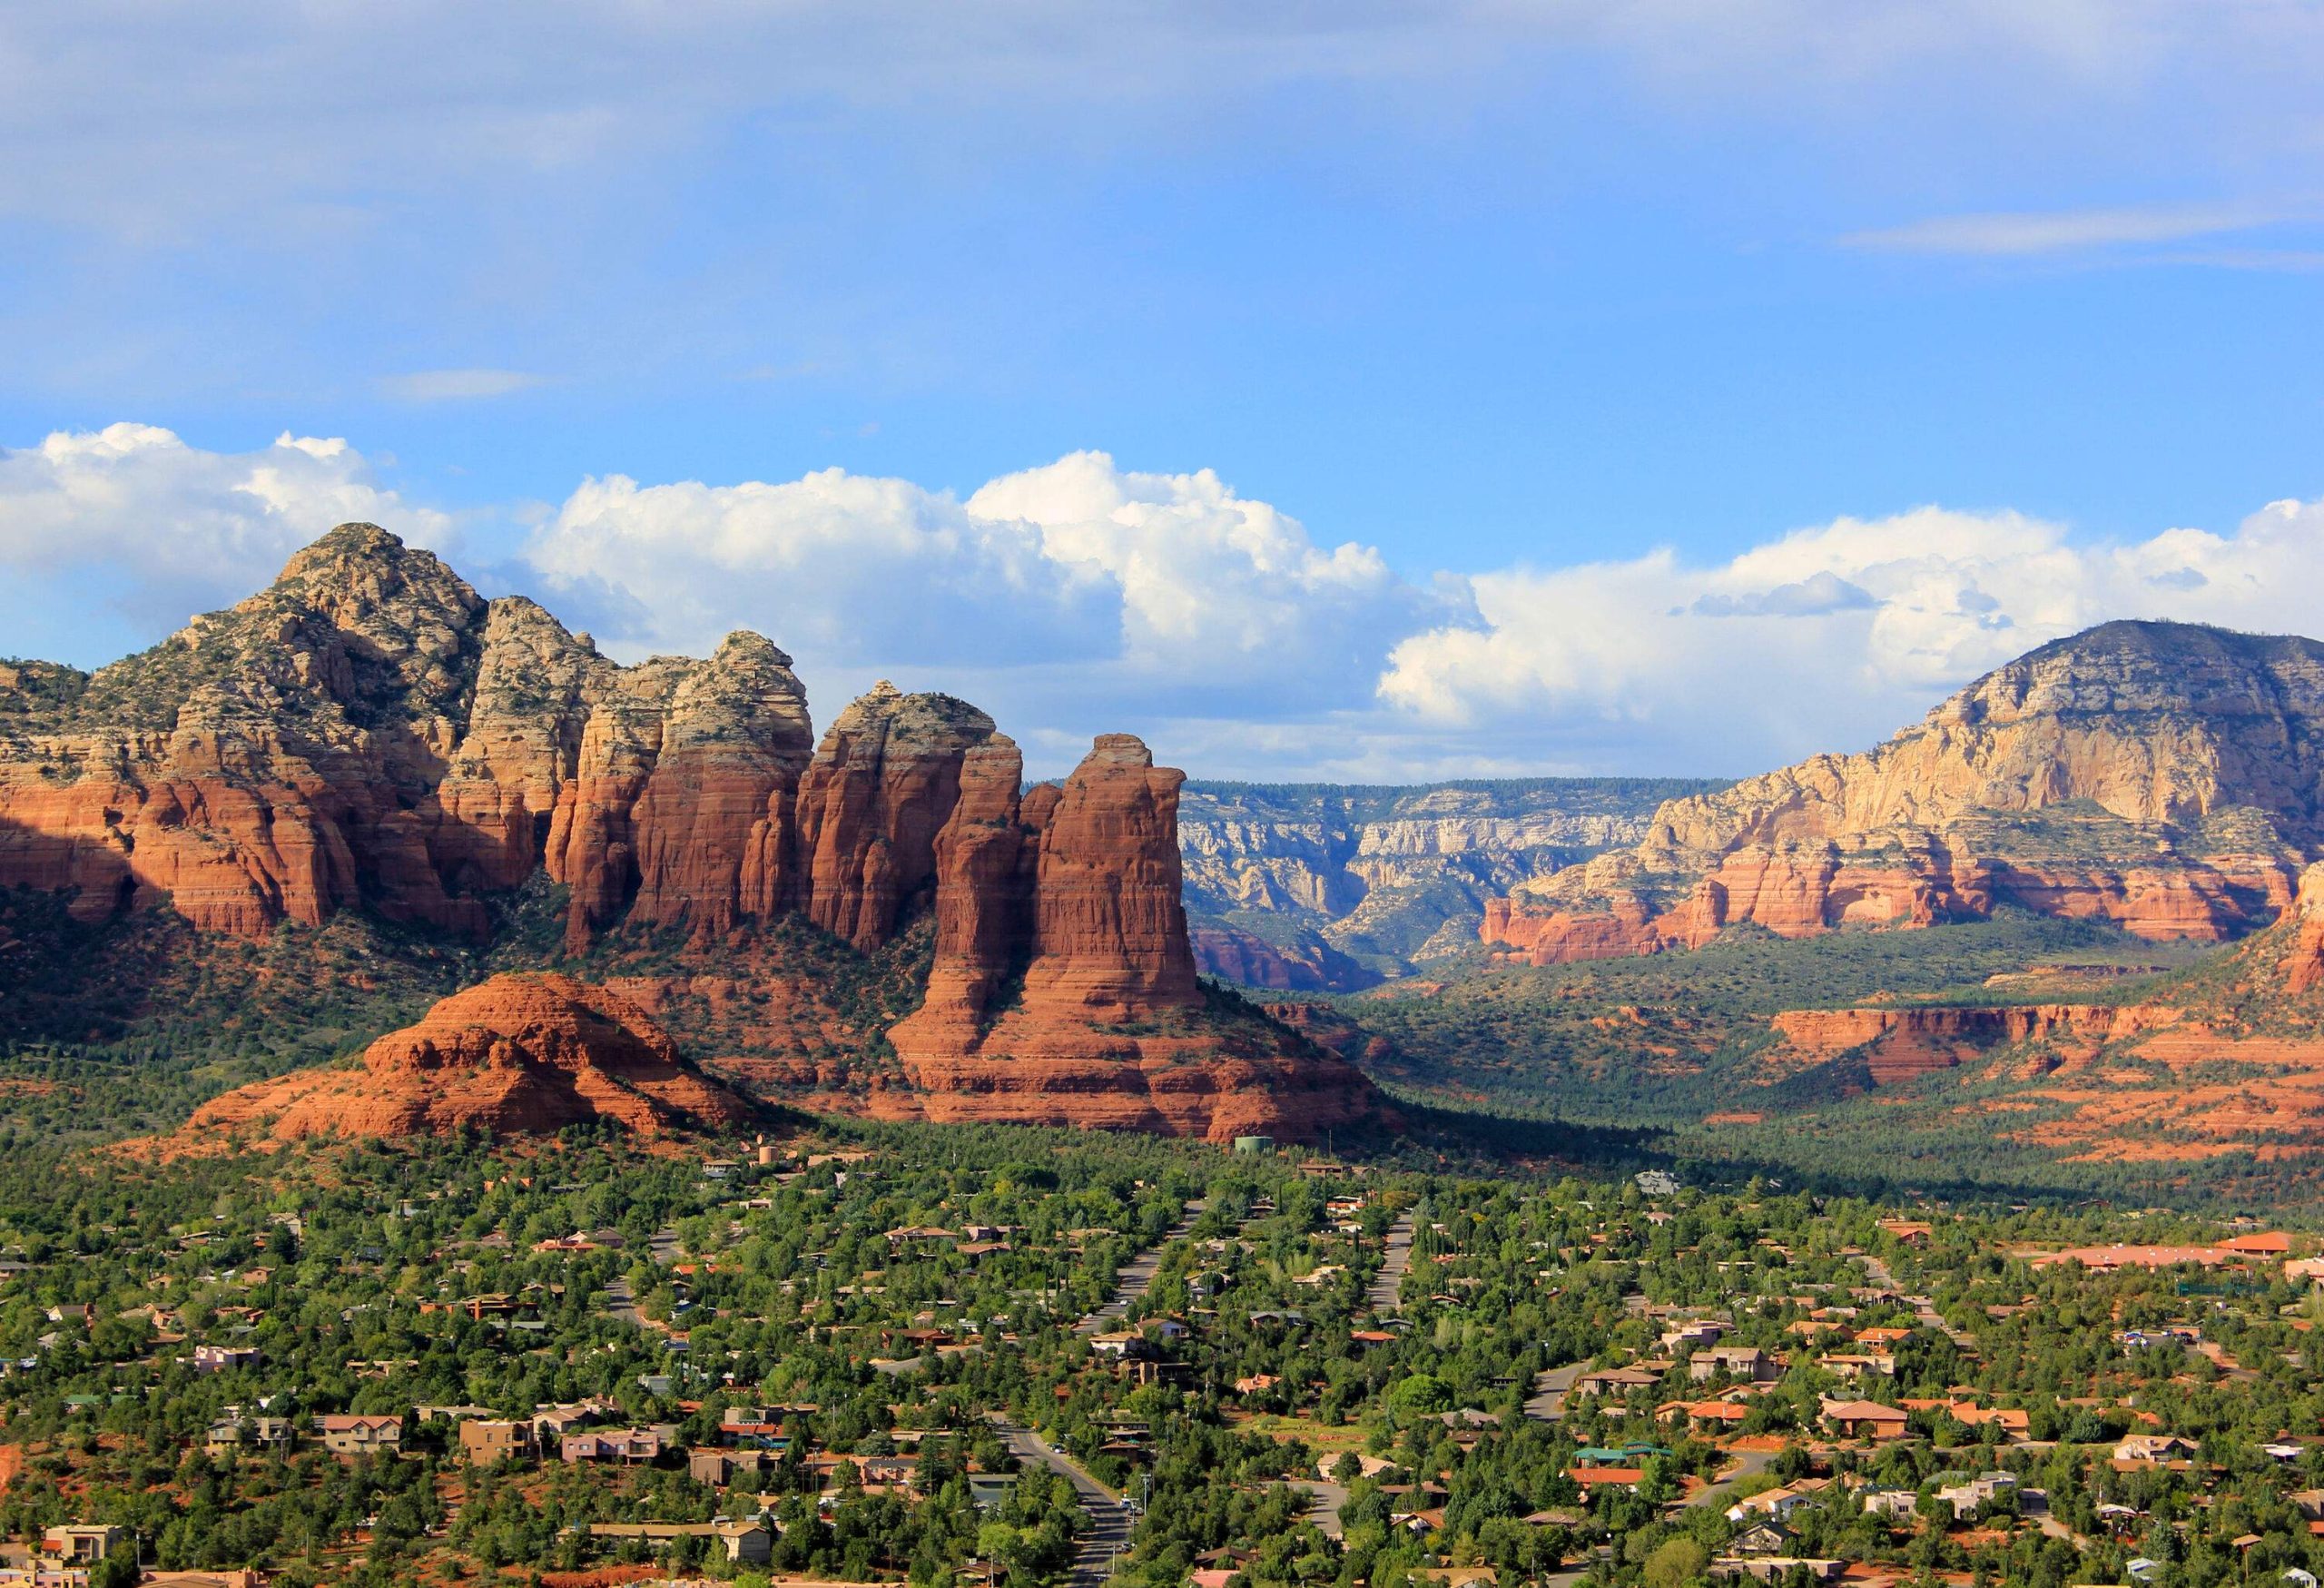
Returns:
<point x="166" y="529"/>
<point x="1081" y="595"/>
<point x="1084" y="578"/>
<point x="1824" y="639"/>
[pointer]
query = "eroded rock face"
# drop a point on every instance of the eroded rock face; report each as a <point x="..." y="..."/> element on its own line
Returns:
<point x="1902" y="1042"/>
<point x="2165" y="776"/>
<point x="370" y="732"/>
<point x="519" y="1055"/>
<point x="2304" y="964"/>
<point x="882" y="784"/>
<point x="1109" y="1028"/>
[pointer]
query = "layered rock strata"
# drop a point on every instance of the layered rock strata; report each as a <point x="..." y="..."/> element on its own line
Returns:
<point x="2166" y="777"/>
<point x="1095" y="1016"/>
<point x="519" y="1055"/>
<point x="370" y="732"/>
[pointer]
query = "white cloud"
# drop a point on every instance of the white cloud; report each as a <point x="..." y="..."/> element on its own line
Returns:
<point x="1078" y="578"/>
<point x="168" y="529"/>
<point x="457" y="385"/>
<point x="2066" y="231"/>
<point x="1735" y="667"/>
<point x="1081" y="597"/>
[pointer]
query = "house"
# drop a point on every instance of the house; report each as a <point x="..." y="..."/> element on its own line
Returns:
<point x="223" y="1358"/>
<point x="1458" y="1576"/>
<point x="1965" y="1496"/>
<point x="1591" y="1480"/>
<point x="721" y="1468"/>
<point x="1763" y="1538"/>
<point x="2010" y="1420"/>
<point x="229" y="1435"/>
<point x="746" y="1542"/>
<point x="1775" y="1504"/>
<point x="1744" y="1362"/>
<point x="1615" y="1381"/>
<point x="1687" y="1337"/>
<point x="485" y="1441"/>
<point x="83" y="1541"/>
<point x="355" y="1435"/>
<point x="2271" y="1243"/>
<point x="1778" y="1568"/>
<point x="2156" y="1447"/>
<point x="1862" y="1419"/>
<point x="626" y="1447"/>
<point x="1715" y="1413"/>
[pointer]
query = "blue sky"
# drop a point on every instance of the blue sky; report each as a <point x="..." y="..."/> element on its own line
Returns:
<point x="1493" y="295"/>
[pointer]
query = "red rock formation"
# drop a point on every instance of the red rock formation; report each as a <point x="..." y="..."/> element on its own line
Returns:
<point x="2304" y="964"/>
<point x="517" y="1055"/>
<point x="1904" y="1041"/>
<point x="1109" y="930"/>
<point x="882" y="784"/>
<point x="680" y="813"/>
<point x="2096" y="777"/>
<point x="1111" y="1029"/>
<point x="369" y="731"/>
<point x="1305" y="964"/>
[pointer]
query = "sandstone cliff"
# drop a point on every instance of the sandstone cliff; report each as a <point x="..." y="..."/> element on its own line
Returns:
<point x="1094" y="1016"/>
<point x="519" y="1055"/>
<point x="2225" y="1058"/>
<point x="2167" y="778"/>
<point x="1337" y="886"/>
<point x="369" y="736"/>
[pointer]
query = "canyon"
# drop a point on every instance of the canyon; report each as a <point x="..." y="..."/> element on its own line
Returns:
<point x="2168" y="778"/>
<point x="370" y="734"/>
<point x="1337" y="887"/>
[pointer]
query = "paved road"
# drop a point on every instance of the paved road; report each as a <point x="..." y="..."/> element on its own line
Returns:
<point x="622" y="1303"/>
<point x="1547" y="1404"/>
<point x="1108" y="1534"/>
<point x="1388" y="1284"/>
<point x="1749" y="1464"/>
<point x="1138" y="1276"/>
<point x="1324" y="1500"/>
<point x="1924" y="1311"/>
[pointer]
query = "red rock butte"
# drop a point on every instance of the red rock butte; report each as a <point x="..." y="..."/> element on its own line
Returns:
<point x="2162" y="777"/>
<point x="519" y="1055"/>
<point x="369" y="732"/>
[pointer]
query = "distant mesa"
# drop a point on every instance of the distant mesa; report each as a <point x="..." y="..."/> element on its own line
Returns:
<point x="518" y="1055"/>
<point x="2224" y="1058"/>
<point x="2166" y="777"/>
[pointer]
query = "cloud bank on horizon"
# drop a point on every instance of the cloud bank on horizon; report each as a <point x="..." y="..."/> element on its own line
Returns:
<point x="1079" y="597"/>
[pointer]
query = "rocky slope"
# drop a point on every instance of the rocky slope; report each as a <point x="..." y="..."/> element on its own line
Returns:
<point x="519" y="1055"/>
<point x="2166" y="777"/>
<point x="1334" y="887"/>
<point x="370" y="734"/>
<point x="2226" y="1058"/>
